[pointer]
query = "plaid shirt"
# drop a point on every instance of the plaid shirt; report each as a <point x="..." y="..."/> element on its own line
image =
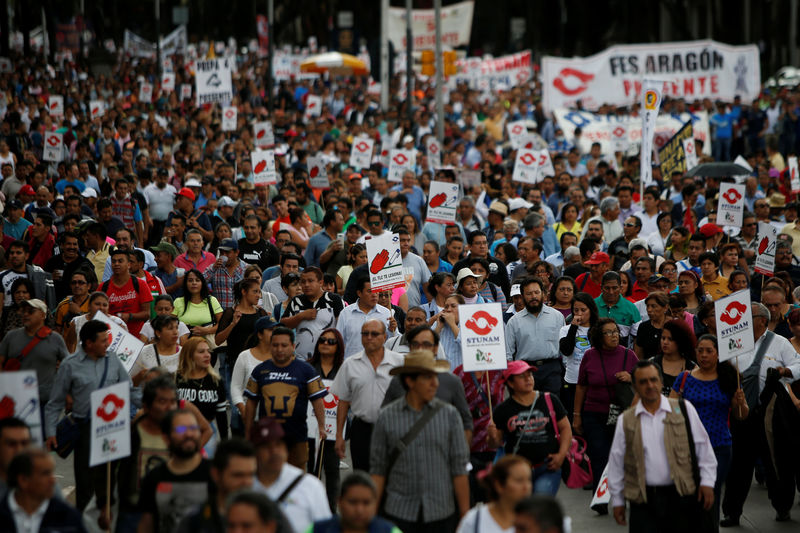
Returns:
<point x="220" y="283"/>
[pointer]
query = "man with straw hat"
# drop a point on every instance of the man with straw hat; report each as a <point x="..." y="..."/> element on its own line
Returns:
<point x="418" y="452"/>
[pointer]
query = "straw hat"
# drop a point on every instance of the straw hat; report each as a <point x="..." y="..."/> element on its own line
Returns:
<point x="420" y="361"/>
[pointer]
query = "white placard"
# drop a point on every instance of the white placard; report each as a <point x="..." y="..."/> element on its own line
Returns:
<point x="213" y="81"/>
<point x="110" y="412"/>
<point x="601" y="495"/>
<point x="468" y="177"/>
<point x="689" y="154"/>
<point x="434" y="150"/>
<point x="145" y="92"/>
<point x="167" y="82"/>
<point x="400" y="161"/>
<point x="794" y="175"/>
<point x="386" y="150"/>
<point x="361" y="153"/>
<point x="734" y="325"/>
<point x="730" y="208"/>
<point x="483" y="338"/>
<point x="125" y="345"/>
<point x="313" y="105"/>
<point x="53" y="146"/>
<point x="186" y="91"/>
<point x="442" y="202"/>
<point x="264" y="167"/>
<point x="330" y="403"/>
<point x="55" y="104"/>
<point x="385" y="262"/>
<point x="619" y="137"/>
<point x="19" y="397"/>
<point x="97" y="108"/>
<point x="765" y="253"/>
<point x="526" y="166"/>
<point x="264" y="135"/>
<point x="229" y="117"/>
<point x="516" y="133"/>
<point x="317" y="173"/>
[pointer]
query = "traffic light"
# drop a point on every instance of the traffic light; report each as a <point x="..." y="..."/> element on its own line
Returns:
<point x="450" y="68"/>
<point x="428" y="63"/>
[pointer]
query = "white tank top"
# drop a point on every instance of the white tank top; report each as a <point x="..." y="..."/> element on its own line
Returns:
<point x="7" y="159"/>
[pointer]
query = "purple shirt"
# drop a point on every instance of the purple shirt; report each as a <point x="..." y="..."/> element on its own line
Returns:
<point x="590" y="374"/>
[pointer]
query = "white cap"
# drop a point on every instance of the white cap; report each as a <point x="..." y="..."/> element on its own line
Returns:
<point x="89" y="192"/>
<point x="226" y="201"/>
<point x="518" y="203"/>
<point x="408" y="139"/>
<point x="193" y="182"/>
<point x="515" y="290"/>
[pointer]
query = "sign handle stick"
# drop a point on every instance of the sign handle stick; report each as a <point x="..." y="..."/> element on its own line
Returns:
<point x="321" y="452"/>
<point x="108" y="495"/>
<point x="738" y="383"/>
<point x="489" y="396"/>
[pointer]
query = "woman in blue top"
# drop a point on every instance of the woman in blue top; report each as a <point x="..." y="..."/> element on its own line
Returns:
<point x="713" y="388"/>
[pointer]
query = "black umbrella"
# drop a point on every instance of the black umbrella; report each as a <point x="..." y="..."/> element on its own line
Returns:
<point x="718" y="170"/>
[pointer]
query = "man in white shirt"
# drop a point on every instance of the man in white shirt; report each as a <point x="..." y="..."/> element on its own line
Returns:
<point x="354" y="316"/>
<point x="160" y="198"/>
<point x="415" y="270"/>
<point x="300" y="496"/>
<point x="664" y="496"/>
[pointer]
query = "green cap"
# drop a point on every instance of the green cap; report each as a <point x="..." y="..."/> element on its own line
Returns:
<point x="164" y="246"/>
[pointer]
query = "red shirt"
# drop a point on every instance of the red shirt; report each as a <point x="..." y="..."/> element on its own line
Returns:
<point x="127" y="299"/>
<point x="590" y="286"/>
<point x="637" y="293"/>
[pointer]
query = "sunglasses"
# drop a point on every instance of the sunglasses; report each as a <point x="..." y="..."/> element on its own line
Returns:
<point x="180" y="430"/>
<point x="371" y="333"/>
<point x="331" y="342"/>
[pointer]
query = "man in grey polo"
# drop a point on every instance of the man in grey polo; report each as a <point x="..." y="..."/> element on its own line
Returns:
<point x="532" y="335"/>
<point x="289" y="263"/>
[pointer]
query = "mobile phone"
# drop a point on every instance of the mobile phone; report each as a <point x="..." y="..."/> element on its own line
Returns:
<point x="340" y="238"/>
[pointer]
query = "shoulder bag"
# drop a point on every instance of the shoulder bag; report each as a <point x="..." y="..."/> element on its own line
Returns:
<point x="576" y="470"/>
<point x="623" y="393"/>
<point x="12" y="364"/>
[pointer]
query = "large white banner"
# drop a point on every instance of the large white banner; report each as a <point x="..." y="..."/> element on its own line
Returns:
<point x="19" y="397"/>
<point x="483" y="338"/>
<point x="734" y="325"/>
<point x="175" y="42"/>
<point x="692" y="70"/>
<point x="213" y="81"/>
<point x="110" y="413"/>
<point x="651" y="103"/>
<point x="627" y="129"/>
<point x="485" y="74"/>
<point x="456" y="24"/>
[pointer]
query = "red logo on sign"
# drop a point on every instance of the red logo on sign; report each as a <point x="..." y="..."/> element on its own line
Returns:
<point x="312" y="104"/>
<point x="438" y="200"/>
<point x="54" y="104"/>
<point x="230" y="113"/>
<point x="517" y="129"/>
<point x="314" y="172"/>
<point x="528" y="159"/>
<point x="733" y="313"/>
<point x="110" y="407"/>
<point x="330" y="404"/>
<point x="602" y="487"/>
<point x="53" y="140"/>
<point x="619" y="131"/>
<point x="261" y="133"/>
<point x="481" y="323"/>
<point x="260" y="167"/>
<point x="379" y="262"/>
<point x="732" y="196"/>
<point x="95" y="110"/>
<point x="400" y="159"/>
<point x="362" y="146"/>
<point x="762" y="246"/>
<point x="434" y="148"/>
<point x="566" y="74"/>
<point x="7" y="406"/>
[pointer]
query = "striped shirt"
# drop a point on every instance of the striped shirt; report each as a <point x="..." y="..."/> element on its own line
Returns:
<point x="422" y="477"/>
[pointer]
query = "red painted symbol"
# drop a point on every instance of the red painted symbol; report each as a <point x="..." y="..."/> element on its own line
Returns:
<point x="314" y="172"/>
<point x="362" y="146"/>
<point x="7" y="406"/>
<point x="379" y="261"/>
<point x="732" y="196"/>
<point x="733" y="313"/>
<point x="110" y="407"/>
<point x="542" y="160"/>
<point x="384" y="153"/>
<point x="481" y="323"/>
<point x="528" y="159"/>
<point x="260" y="167"/>
<point x="529" y="145"/>
<point x="433" y="148"/>
<point x="438" y="200"/>
<point x="565" y="74"/>
<point x="54" y="104"/>
<point x="517" y="129"/>
<point x="332" y="403"/>
<point x="95" y="110"/>
<point x="400" y="159"/>
<point x="619" y="131"/>
<point x="261" y="134"/>
<point x="312" y="104"/>
<point x="762" y="246"/>
<point x="601" y="489"/>
<point x="230" y="113"/>
<point x="53" y="141"/>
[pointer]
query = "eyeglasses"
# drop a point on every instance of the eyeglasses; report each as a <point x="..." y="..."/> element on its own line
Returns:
<point x="180" y="430"/>
<point x="331" y="342"/>
<point x="668" y="271"/>
<point x="374" y="222"/>
<point x="77" y="282"/>
<point x="371" y="333"/>
<point x="751" y="224"/>
<point x="614" y="333"/>
<point x="631" y="225"/>
<point x="421" y="346"/>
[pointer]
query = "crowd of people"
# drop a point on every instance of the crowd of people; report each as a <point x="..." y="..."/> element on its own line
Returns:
<point x="258" y="317"/>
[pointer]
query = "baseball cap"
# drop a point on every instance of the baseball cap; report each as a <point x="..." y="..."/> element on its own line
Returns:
<point x="265" y="322"/>
<point x="655" y="278"/>
<point x="26" y="190"/>
<point x="408" y="139"/>
<point x="709" y="230"/>
<point x="188" y="193"/>
<point x="598" y="258"/>
<point x="516" y="368"/>
<point x="193" y="182"/>
<point x="515" y="290"/>
<point x="14" y="204"/>
<point x="518" y="203"/>
<point x="354" y="176"/>
<point x="165" y="247"/>
<point x="266" y="430"/>
<point x="226" y="201"/>
<point x="228" y="245"/>
<point x="89" y="192"/>
<point x="36" y="304"/>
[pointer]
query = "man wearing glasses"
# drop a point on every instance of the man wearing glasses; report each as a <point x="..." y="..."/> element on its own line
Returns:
<point x="374" y="226"/>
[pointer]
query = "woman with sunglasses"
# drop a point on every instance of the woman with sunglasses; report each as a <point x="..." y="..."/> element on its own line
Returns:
<point x="327" y="359"/>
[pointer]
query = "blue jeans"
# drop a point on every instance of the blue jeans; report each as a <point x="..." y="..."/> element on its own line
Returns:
<point x="598" y="441"/>
<point x="721" y="149"/>
<point x="546" y="481"/>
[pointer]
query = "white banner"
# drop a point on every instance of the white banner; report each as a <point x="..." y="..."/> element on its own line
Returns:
<point x="126" y="346"/>
<point x="229" y="118"/>
<point x="145" y="92"/>
<point x="167" y="82"/>
<point x="55" y="104"/>
<point x="175" y="42"/>
<point x="692" y="70"/>
<point x="442" y="202"/>
<point x="400" y="161"/>
<point x="263" y="162"/>
<point x="97" y="108"/>
<point x="793" y="173"/>
<point x="317" y="172"/>
<point x="53" y="146"/>
<point x="361" y="153"/>
<point x="264" y="135"/>
<point x="494" y="73"/>
<point x="385" y="262"/>
<point x="599" y="128"/>
<point x="517" y="131"/>
<point x="19" y="397"/>
<point x="689" y="154"/>
<point x="135" y="46"/>
<point x="434" y="151"/>
<point x="213" y="81"/>
<point x="456" y="25"/>
<point x="765" y="253"/>
<point x="730" y="208"/>
<point x="483" y="338"/>
<point x="734" y="325"/>
<point x="651" y="103"/>
<point x="110" y="414"/>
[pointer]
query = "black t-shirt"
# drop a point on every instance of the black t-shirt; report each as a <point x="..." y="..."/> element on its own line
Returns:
<point x="648" y="338"/>
<point x="240" y="332"/>
<point x="57" y="263"/>
<point x="539" y="439"/>
<point x="575" y="270"/>
<point x="209" y="398"/>
<point x="669" y="380"/>
<point x="262" y="253"/>
<point x="170" y="497"/>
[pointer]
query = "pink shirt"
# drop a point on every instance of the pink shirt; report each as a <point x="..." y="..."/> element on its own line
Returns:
<point x="183" y="261"/>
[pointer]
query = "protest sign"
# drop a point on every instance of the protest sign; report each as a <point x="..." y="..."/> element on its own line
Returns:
<point x="53" y="146"/>
<point x="361" y="153"/>
<point x="167" y="82"/>
<point x="516" y="133"/>
<point x="483" y="338"/>
<point x="19" y="397"/>
<point x="145" y="92"/>
<point x="442" y="202"/>
<point x="318" y="173"/>
<point x="186" y="91"/>
<point x="734" y="325"/>
<point x="492" y="73"/>
<point x="229" y="117"/>
<point x="110" y="412"/>
<point x="263" y="162"/>
<point x="794" y="178"/>
<point x="97" y="108"/>
<point x="126" y="346"/>
<point x="619" y="137"/>
<point x="55" y="104"/>
<point x="213" y="81"/>
<point x="651" y="103"/>
<point x="400" y="162"/>
<point x="468" y="177"/>
<point x="689" y="154"/>
<point x="456" y="23"/>
<point x="765" y="253"/>
<point x="434" y="150"/>
<point x="313" y="105"/>
<point x="730" y="208"/>
<point x="601" y="494"/>
<point x="671" y="155"/>
<point x="692" y="70"/>
<point x="526" y="166"/>
<point x="264" y="135"/>
<point x="385" y="262"/>
<point x="330" y="404"/>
